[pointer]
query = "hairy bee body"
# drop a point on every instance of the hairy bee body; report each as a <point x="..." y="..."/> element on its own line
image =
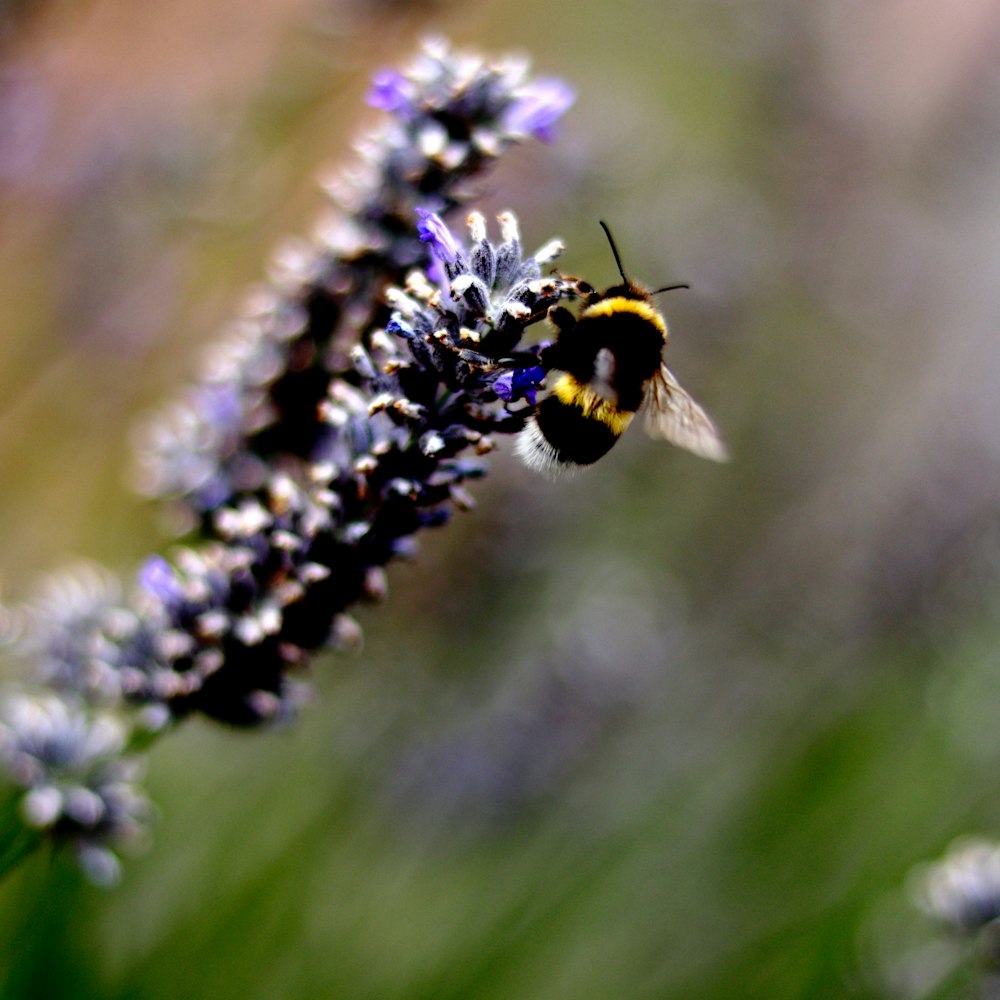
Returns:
<point x="596" y="371"/>
<point x="606" y="364"/>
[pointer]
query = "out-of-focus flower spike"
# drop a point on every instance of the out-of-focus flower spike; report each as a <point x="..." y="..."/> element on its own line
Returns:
<point x="80" y="782"/>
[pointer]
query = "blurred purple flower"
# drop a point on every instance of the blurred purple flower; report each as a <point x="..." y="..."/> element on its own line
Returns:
<point x="391" y="91"/>
<point x="538" y="108"/>
<point x="158" y="579"/>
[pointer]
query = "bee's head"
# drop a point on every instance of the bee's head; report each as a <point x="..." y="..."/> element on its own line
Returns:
<point x="626" y="290"/>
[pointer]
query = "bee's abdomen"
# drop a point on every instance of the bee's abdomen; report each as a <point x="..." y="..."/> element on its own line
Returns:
<point x="562" y="435"/>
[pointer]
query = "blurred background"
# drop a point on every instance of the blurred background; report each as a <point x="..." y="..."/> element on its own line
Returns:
<point x="665" y="729"/>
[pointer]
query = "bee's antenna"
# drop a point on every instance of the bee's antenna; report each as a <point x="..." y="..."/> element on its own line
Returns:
<point x="621" y="270"/>
<point x="614" y="250"/>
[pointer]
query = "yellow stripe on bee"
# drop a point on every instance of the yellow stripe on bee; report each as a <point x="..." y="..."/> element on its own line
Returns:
<point x="570" y="391"/>
<point x="619" y="304"/>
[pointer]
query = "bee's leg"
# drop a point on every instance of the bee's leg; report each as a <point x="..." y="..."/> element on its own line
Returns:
<point x="470" y="357"/>
<point x="562" y="319"/>
<point x="582" y="288"/>
<point x="565" y="323"/>
<point x="514" y="421"/>
<point x="517" y="359"/>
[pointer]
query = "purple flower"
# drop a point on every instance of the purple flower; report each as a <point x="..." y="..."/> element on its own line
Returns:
<point x="221" y="404"/>
<point x="431" y="229"/>
<point x="489" y="295"/>
<point x="520" y="383"/>
<point x="538" y="107"/>
<point x="391" y="91"/>
<point x="159" y="580"/>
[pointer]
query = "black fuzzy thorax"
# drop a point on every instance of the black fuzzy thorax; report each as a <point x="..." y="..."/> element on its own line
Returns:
<point x="635" y="342"/>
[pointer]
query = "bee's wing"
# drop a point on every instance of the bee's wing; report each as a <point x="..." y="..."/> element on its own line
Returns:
<point x="672" y="414"/>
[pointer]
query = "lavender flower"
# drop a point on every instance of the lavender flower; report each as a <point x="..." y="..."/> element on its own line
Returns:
<point x="392" y="91"/>
<point x="432" y="230"/>
<point x="89" y="643"/>
<point x="343" y="412"/>
<point x="79" y="781"/>
<point x="961" y="894"/>
<point x="538" y="108"/>
<point x="962" y="891"/>
<point x="219" y="629"/>
<point x="450" y="116"/>
<point x="524" y="382"/>
<point x="484" y="305"/>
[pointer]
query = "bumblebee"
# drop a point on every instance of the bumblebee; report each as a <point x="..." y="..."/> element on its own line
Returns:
<point x="604" y="366"/>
